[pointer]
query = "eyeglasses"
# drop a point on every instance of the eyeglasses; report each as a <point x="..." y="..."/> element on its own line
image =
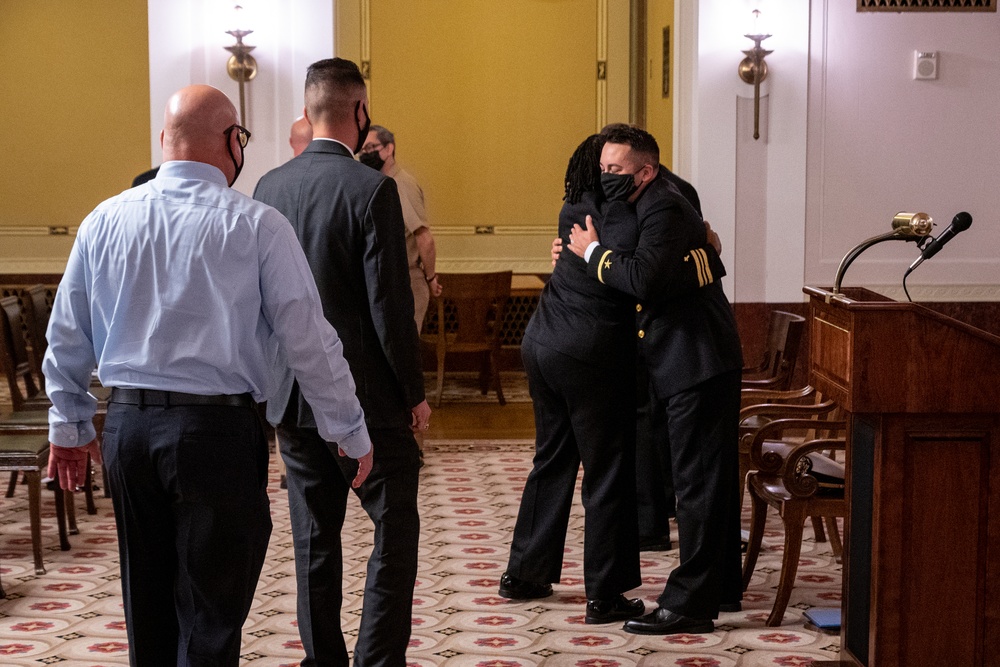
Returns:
<point x="242" y="134"/>
<point x="371" y="148"/>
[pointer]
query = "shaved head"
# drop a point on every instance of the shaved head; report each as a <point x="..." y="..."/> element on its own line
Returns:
<point x="301" y="135"/>
<point x="194" y="128"/>
<point x="337" y="102"/>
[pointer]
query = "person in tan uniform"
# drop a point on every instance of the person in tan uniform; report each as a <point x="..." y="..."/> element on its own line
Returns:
<point x="379" y="153"/>
<point x="300" y="135"/>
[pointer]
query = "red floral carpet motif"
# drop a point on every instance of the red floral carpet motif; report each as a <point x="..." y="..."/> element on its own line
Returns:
<point x="469" y="498"/>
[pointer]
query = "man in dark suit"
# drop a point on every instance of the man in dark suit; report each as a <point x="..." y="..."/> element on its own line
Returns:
<point x="348" y="219"/>
<point x="691" y="347"/>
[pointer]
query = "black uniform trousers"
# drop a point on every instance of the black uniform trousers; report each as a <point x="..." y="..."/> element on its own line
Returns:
<point x="583" y="414"/>
<point x="702" y="427"/>
<point x="319" y="481"/>
<point x="654" y="478"/>
<point x="189" y="489"/>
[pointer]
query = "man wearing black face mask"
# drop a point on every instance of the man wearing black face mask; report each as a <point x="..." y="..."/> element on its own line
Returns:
<point x="379" y="153"/>
<point x="349" y="221"/>
<point x="183" y="291"/>
<point x="691" y="348"/>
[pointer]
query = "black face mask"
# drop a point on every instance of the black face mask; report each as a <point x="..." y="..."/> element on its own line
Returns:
<point x="362" y="130"/>
<point x="372" y="159"/>
<point x="618" y="187"/>
<point x="238" y="166"/>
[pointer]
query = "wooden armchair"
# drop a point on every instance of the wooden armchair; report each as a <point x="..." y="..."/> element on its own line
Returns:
<point x="799" y="479"/>
<point x="775" y="369"/>
<point x="470" y="314"/>
<point x="761" y="406"/>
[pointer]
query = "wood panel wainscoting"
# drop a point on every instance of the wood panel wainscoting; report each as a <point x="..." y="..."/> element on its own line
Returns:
<point x="751" y="318"/>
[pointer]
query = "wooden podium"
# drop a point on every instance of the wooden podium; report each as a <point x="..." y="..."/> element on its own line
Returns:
<point x="922" y="558"/>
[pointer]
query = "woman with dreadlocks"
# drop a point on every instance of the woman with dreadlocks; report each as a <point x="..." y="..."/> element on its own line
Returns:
<point x="579" y="354"/>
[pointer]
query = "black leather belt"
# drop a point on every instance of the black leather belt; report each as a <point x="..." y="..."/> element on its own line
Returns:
<point x="143" y="397"/>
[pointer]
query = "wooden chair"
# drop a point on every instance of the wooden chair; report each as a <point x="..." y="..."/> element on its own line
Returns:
<point x="799" y="479"/>
<point x="30" y="404"/>
<point x="776" y="367"/>
<point x="17" y="362"/>
<point x="760" y="406"/>
<point x="470" y="314"/>
<point x="27" y="452"/>
<point x="36" y="310"/>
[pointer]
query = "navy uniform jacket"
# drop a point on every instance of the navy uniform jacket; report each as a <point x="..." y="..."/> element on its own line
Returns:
<point x="348" y="219"/>
<point x="685" y="336"/>
<point x="578" y="316"/>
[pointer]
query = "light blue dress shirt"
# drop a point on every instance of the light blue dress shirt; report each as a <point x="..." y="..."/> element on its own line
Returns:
<point x="183" y="284"/>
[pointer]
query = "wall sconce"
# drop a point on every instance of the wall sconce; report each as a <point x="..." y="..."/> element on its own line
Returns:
<point x="241" y="67"/>
<point x="753" y="69"/>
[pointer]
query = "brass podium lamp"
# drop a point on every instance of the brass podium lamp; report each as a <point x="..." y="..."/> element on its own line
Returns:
<point x="241" y="67"/>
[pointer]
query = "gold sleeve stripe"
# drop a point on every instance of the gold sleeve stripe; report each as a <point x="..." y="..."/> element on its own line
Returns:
<point x="600" y="266"/>
<point x="701" y="263"/>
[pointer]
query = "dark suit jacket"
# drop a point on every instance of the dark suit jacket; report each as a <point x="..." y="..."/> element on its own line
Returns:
<point x="683" y="187"/>
<point x="685" y="335"/>
<point x="348" y="219"/>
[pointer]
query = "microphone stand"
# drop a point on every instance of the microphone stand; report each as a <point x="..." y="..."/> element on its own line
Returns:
<point x="895" y="235"/>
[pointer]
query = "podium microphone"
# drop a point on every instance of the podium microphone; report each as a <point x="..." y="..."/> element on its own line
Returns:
<point x="959" y="223"/>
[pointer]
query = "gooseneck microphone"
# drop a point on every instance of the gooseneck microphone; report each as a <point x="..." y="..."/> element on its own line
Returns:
<point x="905" y="227"/>
<point x="959" y="223"/>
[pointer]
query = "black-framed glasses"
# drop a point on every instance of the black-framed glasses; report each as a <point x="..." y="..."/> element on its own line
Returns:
<point x="242" y="134"/>
<point x="371" y="148"/>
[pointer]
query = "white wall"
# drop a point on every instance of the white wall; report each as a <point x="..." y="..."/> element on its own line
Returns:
<point x="881" y="142"/>
<point x="186" y="46"/>
<point x="765" y="252"/>
<point x="850" y="139"/>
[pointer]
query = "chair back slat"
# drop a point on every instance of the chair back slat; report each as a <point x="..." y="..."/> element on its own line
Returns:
<point x="36" y="311"/>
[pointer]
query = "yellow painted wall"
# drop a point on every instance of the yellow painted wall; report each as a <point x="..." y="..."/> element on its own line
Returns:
<point x="659" y="109"/>
<point x="74" y="125"/>
<point x="487" y="100"/>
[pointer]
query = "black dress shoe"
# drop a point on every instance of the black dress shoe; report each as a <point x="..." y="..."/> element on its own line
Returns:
<point x="615" y="609"/>
<point x="655" y="543"/>
<point x="665" y="622"/>
<point x="513" y="588"/>
<point x="729" y="607"/>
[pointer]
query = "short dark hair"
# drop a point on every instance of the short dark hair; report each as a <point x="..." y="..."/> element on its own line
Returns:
<point x="385" y="137"/>
<point x="642" y="143"/>
<point x="583" y="174"/>
<point x="333" y="86"/>
<point x="612" y="127"/>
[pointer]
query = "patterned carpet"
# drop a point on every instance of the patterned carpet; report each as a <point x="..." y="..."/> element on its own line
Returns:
<point x="469" y="495"/>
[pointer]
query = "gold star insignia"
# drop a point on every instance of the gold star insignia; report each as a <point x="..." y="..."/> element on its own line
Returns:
<point x="687" y="257"/>
<point x="607" y="264"/>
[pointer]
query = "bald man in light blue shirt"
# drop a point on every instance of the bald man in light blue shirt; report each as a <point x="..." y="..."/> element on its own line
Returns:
<point x="192" y="300"/>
